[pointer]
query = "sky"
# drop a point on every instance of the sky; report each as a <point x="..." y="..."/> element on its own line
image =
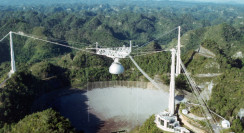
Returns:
<point x="217" y="1"/>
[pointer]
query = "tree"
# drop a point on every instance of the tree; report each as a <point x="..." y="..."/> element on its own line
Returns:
<point x="153" y="46"/>
<point x="17" y="96"/>
<point x="181" y="83"/>
<point x="47" y="121"/>
<point x="237" y="126"/>
<point x="149" y="126"/>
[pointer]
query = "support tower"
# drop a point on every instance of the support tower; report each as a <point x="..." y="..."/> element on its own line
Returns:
<point x="178" y="67"/>
<point x="13" y="68"/>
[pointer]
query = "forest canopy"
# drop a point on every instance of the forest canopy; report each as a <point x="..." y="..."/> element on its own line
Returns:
<point x="43" y="67"/>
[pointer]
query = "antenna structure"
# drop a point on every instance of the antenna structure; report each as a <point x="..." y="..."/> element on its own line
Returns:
<point x="118" y="53"/>
<point x="13" y="68"/>
<point x="172" y="85"/>
<point x="178" y="67"/>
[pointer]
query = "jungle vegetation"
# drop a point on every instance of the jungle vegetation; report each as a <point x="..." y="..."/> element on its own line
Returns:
<point x="44" y="67"/>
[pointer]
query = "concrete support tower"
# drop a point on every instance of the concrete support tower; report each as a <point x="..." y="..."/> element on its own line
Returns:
<point x="172" y="85"/>
<point x="13" y="68"/>
<point x="167" y="120"/>
<point x="178" y="68"/>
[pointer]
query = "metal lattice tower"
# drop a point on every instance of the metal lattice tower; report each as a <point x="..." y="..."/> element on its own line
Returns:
<point x="116" y="54"/>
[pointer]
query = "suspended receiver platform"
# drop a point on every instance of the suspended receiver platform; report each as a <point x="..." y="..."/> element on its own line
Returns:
<point x="116" y="54"/>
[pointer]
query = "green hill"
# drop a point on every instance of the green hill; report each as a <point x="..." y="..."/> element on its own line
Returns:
<point x="227" y="38"/>
<point x="223" y="41"/>
<point x="44" y="67"/>
<point x="47" y="121"/>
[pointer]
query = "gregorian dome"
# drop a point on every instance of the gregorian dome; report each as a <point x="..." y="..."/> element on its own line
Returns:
<point x="116" y="68"/>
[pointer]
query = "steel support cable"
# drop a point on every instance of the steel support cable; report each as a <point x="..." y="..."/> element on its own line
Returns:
<point x="3" y="27"/>
<point x="4" y="82"/>
<point x="145" y="74"/>
<point x="56" y="43"/>
<point x="148" y="53"/>
<point x="8" y="77"/>
<point x="209" y="110"/>
<point x="125" y="122"/>
<point x="154" y="50"/>
<point x="56" y="39"/>
<point x="4" y="37"/>
<point x="154" y="83"/>
<point x="199" y="98"/>
<point x="198" y="93"/>
<point x="202" y="99"/>
<point x="202" y="111"/>
<point x="191" y="82"/>
<point x="158" y="37"/>
<point x="35" y="38"/>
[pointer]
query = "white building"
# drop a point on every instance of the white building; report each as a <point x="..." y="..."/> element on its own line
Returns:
<point x="169" y="123"/>
<point x="225" y="124"/>
<point x="184" y="111"/>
